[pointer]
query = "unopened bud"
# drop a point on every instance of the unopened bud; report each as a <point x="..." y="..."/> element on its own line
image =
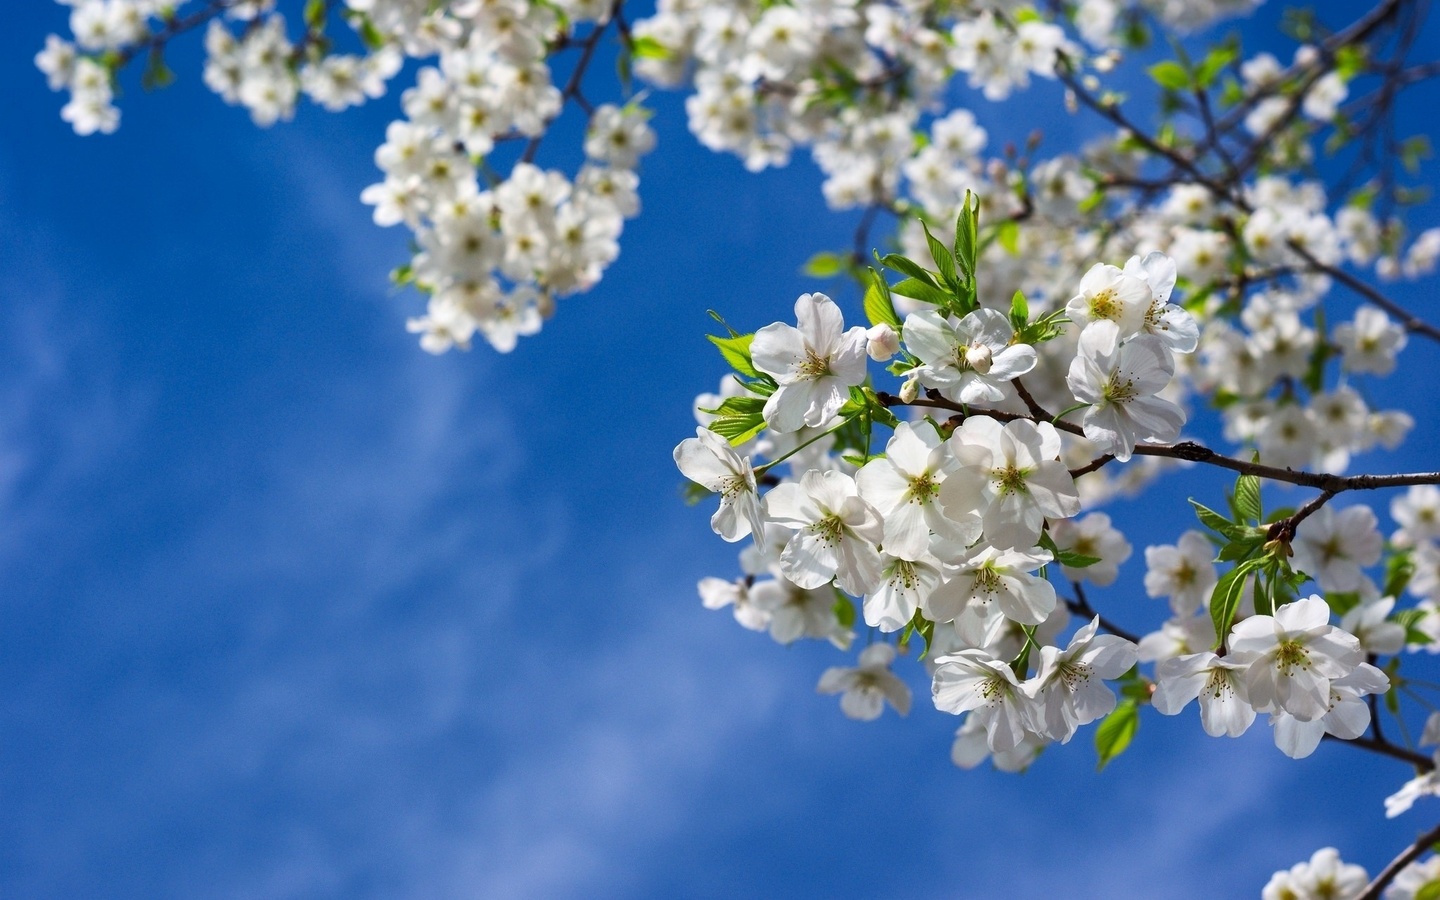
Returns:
<point x="1072" y="104"/>
<point x="979" y="358"/>
<point x="911" y="388"/>
<point x="1279" y="547"/>
<point x="1306" y="56"/>
<point x="881" y="342"/>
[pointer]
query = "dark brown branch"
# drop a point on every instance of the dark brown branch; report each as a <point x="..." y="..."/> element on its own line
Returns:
<point x="1080" y="606"/>
<point x="572" y="87"/>
<point x="1190" y="451"/>
<point x="1413" y="852"/>
<point x="1385" y="748"/>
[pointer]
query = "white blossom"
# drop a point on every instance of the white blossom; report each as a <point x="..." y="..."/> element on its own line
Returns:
<point x="864" y="690"/>
<point x="815" y="364"/>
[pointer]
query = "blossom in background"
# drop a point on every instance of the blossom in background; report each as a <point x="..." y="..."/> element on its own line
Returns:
<point x="1183" y="571"/>
<point x="1323" y="875"/>
<point x="864" y="690"/>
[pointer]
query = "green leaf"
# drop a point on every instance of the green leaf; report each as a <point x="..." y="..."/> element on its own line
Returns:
<point x="914" y="287"/>
<point x="738" y="406"/>
<point x="825" y="265"/>
<point x="1092" y="202"/>
<point x="370" y="35"/>
<point x="1341" y="602"/>
<point x="1314" y="377"/>
<point x="1170" y="75"/>
<point x="1214" y="63"/>
<point x="1116" y="731"/>
<point x="879" y="308"/>
<point x="646" y="47"/>
<point x="1225" y="599"/>
<point x="1414" y="151"/>
<point x="156" y="75"/>
<point x="1398" y="570"/>
<point x="1221" y="525"/>
<point x="738" y="429"/>
<point x="1075" y="560"/>
<point x="1349" y="61"/>
<point x="1008" y="234"/>
<point x="1247" y="498"/>
<point x="736" y="351"/>
<point x="944" y="260"/>
<point x="693" y="493"/>
<point x="1019" y="311"/>
<point x="967" y="228"/>
<point x="1237" y="550"/>
<point x="905" y="266"/>
<point x="315" y="14"/>
<point x="1429" y="891"/>
<point x="844" y="610"/>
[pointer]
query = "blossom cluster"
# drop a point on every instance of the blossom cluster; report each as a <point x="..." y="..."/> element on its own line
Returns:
<point x="494" y="251"/>
<point x="951" y="528"/>
<point x="959" y="530"/>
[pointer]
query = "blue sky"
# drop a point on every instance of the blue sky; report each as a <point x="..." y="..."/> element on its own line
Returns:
<point x="289" y="608"/>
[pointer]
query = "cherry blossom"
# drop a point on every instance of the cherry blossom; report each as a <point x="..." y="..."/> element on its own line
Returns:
<point x="865" y="689"/>
<point x="815" y="364"/>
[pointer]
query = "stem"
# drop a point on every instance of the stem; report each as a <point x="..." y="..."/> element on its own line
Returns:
<point x="1412" y="853"/>
<point x="1190" y="451"/>
<point x="760" y="470"/>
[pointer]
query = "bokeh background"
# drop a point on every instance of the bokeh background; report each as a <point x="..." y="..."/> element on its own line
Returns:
<point x="289" y="608"/>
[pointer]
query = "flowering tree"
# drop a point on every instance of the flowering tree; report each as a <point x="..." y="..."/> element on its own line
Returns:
<point x="1036" y="343"/>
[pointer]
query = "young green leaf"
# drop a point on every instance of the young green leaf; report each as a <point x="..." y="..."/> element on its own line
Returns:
<point x="906" y="266"/>
<point x="879" y="308"/>
<point x="824" y="265"/>
<point x="736" y="351"/>
<point x="1019" y="311"/>
<point x="1225" y="599"/>
<point x="944" y="260"/>
<point x="1247" y="498"/>
<point x="914" y="287"/>
<point x="1170" y="75"/>
<point x="1218" y="523"/>
<point x="738" y="429"/>
<point x="967" y="227"/>
<point x="1116" y="731"/>
<point x="1008" y="234"/>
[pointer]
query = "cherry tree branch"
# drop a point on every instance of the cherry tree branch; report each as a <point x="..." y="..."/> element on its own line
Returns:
<point x="1080" y="606"/>
<point x="1413" y="852"/>
<point x="1187" y="451"/>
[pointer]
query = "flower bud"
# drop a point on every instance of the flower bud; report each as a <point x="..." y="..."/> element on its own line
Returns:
<point x="1307" y="55"/>
<point x="979" y="358"/>
<point x="910" y="389"/>
<point x="881" y="342"/>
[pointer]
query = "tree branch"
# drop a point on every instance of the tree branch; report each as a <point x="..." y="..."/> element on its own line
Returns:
<point x="1424" y="842"/>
